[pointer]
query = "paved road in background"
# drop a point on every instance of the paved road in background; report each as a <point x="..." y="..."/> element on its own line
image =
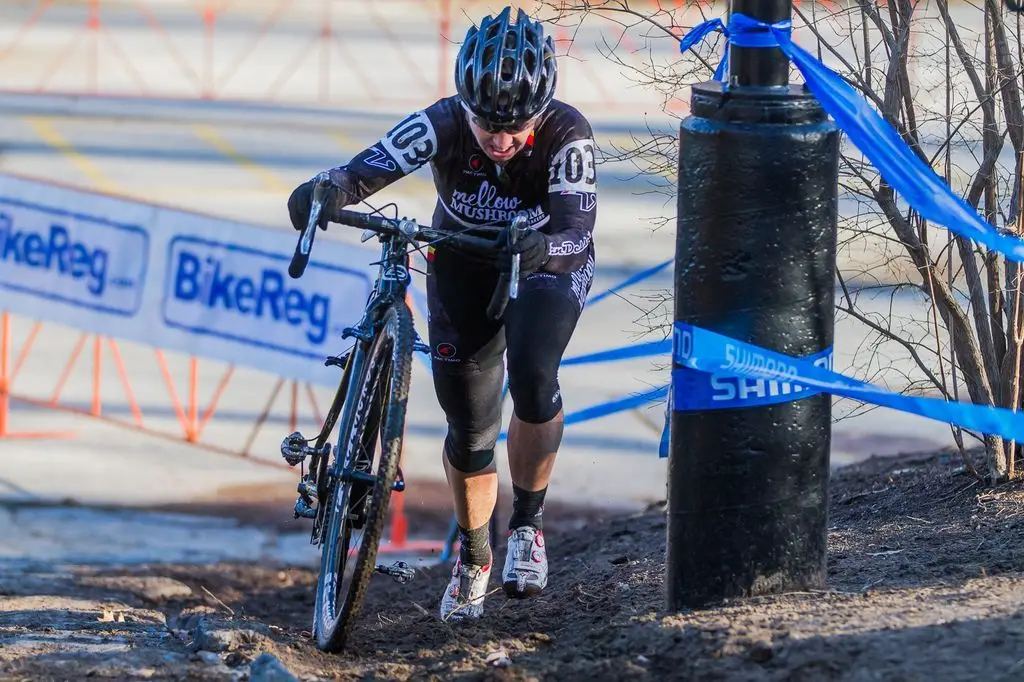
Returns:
<point x="242" y="164"/>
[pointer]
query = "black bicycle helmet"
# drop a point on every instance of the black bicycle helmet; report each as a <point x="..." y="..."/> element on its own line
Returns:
<point x="505" y="72"/>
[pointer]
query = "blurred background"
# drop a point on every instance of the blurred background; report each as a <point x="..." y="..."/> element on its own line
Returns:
<point x="221" y="108"/>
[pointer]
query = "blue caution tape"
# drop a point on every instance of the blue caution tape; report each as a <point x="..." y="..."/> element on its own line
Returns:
<point x="697" y="34"/>
<point x="604" y="409"/>
<point x="630" y="281"/>
<point x="663" y="347"/>
<point x="641" y="350"/>
<point x="629" y="402"/>
<point x="911" y="177"/>
<point x="694" y="391"/>
<point x="633" y="351"/>
<point x="619" y="405"/>
<point x="663" y="446"/>
<point x="709" y="352"/>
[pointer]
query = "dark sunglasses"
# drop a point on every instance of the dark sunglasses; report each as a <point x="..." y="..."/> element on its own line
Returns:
<point x="512" y="127"/>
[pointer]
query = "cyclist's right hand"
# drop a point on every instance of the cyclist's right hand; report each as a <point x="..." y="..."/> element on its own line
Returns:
<point x="300" y="203"/>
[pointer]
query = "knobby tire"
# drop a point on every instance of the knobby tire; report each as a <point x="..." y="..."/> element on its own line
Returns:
<point x="383" y="385"/>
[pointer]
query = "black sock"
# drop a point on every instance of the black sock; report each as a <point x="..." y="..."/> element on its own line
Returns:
<point x="474" y="546"/>
<point x="527" y="508"/>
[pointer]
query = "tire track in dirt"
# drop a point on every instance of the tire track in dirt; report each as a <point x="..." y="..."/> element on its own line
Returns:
<point x="926" y="582"/>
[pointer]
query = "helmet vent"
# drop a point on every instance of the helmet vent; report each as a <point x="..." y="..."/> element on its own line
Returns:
<point x="486" y="87"/>
<point x="529" y="60"/>
<point x="508" y="68"/>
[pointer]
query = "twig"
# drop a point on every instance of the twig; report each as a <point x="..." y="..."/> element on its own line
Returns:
<point x="470" y="603"/>
<point x="860" y="317"/>
<point x="872" y="584"/>
<point x="857" y="496"/>
<point x="959" y="492"/>
<point x="218" y="601"/>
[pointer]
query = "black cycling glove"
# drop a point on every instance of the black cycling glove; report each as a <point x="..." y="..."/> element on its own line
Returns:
<point x="532" y="248"/>
<point x="301" y="199"/>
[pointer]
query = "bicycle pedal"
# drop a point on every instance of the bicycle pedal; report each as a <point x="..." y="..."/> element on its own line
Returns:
<point x="400" y="571"/>
<point x="293" y="448"/>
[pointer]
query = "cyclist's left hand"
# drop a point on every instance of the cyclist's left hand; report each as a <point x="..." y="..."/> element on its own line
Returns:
<point x="301" y="199"/>
<point x="532" y="248"/>
<point x="299" y="206"/>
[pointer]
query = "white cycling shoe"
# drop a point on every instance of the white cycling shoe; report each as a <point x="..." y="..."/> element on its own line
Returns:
<point x="464" y="597"/>
<point x="526" y="564"/>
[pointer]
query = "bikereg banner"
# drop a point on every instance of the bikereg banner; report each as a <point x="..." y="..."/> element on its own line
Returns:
<point x="177" y="280"/>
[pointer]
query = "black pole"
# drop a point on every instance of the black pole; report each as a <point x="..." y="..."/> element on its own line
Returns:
<point x="755" y="260"/>
<point x="760" y="66"/>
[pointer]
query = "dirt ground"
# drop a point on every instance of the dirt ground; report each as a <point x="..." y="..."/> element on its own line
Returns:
<point x="926" y="582"/>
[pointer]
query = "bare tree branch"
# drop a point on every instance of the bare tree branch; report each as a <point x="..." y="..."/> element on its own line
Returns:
<point x="969" y="330"/>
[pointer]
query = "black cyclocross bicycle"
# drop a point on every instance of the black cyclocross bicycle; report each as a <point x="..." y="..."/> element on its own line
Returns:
<point x="348" y="487"/>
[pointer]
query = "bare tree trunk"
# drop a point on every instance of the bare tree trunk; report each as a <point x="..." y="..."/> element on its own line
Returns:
<point x="1012" y="363"/>
<point x="991" y="146"/>
<point x="1008" y="85"/>
<point x="967" y="351"/>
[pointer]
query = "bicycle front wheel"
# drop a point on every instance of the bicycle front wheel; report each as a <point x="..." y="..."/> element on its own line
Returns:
<point x="362" y="478"/>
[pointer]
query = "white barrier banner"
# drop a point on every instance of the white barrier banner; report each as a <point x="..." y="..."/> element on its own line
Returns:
<point x="176" y="280"/>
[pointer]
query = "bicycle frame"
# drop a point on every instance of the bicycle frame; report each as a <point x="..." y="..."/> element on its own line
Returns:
<point x="390" y="286"/>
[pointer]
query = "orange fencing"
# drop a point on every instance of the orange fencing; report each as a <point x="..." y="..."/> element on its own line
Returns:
<point x="193" y="417"/>
<point x="390" y="54"/>
<point x="192" y="413"/>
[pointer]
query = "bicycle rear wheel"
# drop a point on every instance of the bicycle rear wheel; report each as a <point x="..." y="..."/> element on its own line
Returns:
<point x="367" y="460"/>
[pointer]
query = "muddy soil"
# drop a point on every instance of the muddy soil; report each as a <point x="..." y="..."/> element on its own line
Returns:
<point x="925" y="582"/>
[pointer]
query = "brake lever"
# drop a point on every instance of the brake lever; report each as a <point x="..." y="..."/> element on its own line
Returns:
<point x="515" y="232"/>
<point x="305" y="244"/>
